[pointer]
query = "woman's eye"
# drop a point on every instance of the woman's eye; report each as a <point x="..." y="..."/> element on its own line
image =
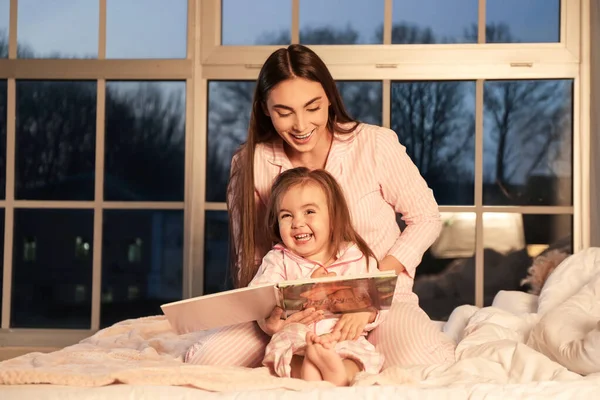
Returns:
<point x="314" y="109"/>
<point x="284" y="115"/>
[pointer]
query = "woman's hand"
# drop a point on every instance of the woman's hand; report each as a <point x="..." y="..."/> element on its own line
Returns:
<point x="274" y="323"/>
<point x="391" y="263"/>
<point x="351" y="325"/>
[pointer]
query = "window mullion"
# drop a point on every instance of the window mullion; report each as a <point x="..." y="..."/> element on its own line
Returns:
<point x="387" y="22"/>
<point x="10" y="197"/>
<point x="481" y="22"/>
<point x="295" y="29"/>
<point x="102" y="31"/>
<point x="387" y="103"/>
<point x="12" y="30"/>
<point x="478" y="187"/>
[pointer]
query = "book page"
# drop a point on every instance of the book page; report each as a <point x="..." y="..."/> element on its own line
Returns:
<point x="221" y="309"/>
<point x="353" y="294"/>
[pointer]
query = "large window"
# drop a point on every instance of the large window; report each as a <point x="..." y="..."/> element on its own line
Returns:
<point x="118" y="122"/>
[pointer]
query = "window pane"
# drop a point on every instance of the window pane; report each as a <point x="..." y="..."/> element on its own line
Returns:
<point x="362" y="100"/>
<point x="142" y="263"/>
<point x="63" y="29"/>
<point x="217" y="275"/>
<point x="52" y="269"/>
<point x="229" y="107"/>
<point x="145" y="141"/>
<point x="512" y="240"/>
<point x="434" y="21"/>
<point x="55" y="140"/>
<point x="528" y="131"/>
<point x="239" y="22"/>
<point x="148" y="29"/>
<point x="531" y="21"/>
<point x="2" y="139"/>
<point x="436" y="123"/>
<point x="445" y="278"/>
<point x="341" y="22"/>
<point x="4" y="15"/>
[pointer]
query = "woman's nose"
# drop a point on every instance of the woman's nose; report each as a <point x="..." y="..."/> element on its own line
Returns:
<point x="300" y="123"/>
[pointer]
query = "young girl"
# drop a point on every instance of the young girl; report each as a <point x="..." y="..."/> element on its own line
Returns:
<point x="308" y="218"/>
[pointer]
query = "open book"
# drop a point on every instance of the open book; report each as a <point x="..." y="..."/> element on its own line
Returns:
<point x="334" y="295"/>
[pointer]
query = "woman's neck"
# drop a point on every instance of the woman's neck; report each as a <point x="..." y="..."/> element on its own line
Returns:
<point x="314" y="159"/>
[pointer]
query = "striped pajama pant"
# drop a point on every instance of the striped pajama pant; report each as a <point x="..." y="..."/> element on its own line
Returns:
<point x="406" y="337"/>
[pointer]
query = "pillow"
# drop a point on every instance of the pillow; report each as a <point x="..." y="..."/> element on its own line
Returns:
<point x="568" y="278"/>
<point x="516" y="302"/>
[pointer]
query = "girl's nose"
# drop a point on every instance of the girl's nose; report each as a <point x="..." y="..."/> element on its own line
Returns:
<point x="297" y="223"/>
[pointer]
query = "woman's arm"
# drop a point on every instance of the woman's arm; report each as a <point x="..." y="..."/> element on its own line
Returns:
<point x="404" y="188"/>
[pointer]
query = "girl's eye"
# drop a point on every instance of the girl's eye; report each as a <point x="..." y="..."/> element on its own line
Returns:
<point x="314" y="109"/>
<point x="285" y="216"/>
<point x="310" y="211"/>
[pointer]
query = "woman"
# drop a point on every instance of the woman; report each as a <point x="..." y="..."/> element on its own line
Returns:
<point x="298" y="119"/>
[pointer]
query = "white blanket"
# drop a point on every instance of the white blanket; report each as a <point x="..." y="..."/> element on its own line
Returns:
<point x="508" y="343"/>
<point x="569" y="306"/>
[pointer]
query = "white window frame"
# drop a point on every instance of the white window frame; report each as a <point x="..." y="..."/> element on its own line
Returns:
<point x="207" y="60"/>
<point x="414" y="61"/>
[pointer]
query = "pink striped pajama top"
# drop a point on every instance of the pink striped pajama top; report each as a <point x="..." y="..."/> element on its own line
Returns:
<point x="379" y="180"/>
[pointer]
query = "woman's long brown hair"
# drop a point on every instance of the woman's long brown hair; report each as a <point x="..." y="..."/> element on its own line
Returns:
<point x="340" y="222"/>
<point x="247" y="239"/>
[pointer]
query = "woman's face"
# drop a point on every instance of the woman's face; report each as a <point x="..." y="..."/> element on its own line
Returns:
<point x="299" y="111"/>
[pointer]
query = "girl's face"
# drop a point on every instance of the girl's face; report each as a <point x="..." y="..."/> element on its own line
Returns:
<point x="299" y="111"/>
<point x="304" y="222"/>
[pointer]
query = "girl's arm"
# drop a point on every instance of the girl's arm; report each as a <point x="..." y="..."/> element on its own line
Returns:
<point x="272" y="270"/>
<point x="404" y="188"/>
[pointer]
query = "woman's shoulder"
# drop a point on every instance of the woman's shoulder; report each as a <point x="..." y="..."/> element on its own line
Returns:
<point x="368" y="133"/>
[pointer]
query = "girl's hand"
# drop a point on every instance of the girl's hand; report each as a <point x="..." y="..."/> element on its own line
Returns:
<point x="351" y="325"/>
<point x="274" y="323"/>
<point x="322" y="273"/>
<point x="328" y="340"/>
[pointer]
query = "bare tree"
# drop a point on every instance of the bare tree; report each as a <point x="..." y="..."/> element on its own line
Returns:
<point x="528" y="124"/>
<point x="435" y="123"/>
<point x="145" y="142"/>
<point x="3" y="43"/>
<point x="55" y="136"/>
<point x="432" y="121"/>
<point x="229" y="105"/>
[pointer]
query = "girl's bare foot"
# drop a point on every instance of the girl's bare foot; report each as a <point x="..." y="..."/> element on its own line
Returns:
<point x="328" y="362"/>
<point x="309" y="371"/>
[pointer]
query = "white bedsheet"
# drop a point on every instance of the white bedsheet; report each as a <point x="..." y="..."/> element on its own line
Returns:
<point x="472" y="391"/>
<point x="494" y="359"/>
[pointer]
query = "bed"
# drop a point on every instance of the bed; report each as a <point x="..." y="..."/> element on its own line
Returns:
<point x="523" y="346"/>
